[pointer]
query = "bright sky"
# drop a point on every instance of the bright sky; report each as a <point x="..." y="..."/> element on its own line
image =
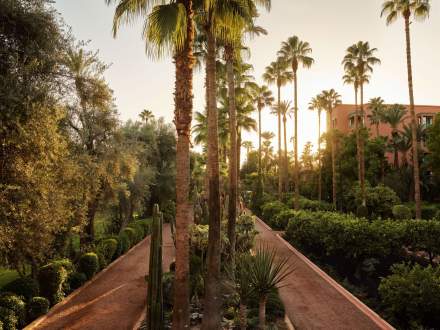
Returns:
<point x="329" y="26"/>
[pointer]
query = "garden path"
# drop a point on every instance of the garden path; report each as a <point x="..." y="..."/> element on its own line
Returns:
<point x="115" y="299"/>
<point x="312" y="299"/>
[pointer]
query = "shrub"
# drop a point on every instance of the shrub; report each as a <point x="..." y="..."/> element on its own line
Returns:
<point x="138" y="232"/>
<point x="401" y="212"/>
<point x="423" y="235"/>
<point x="411" y="296"/>
<point x="270" y="210"/>
<point x="429" y="212"/>
<point x="65" y="263"/>
<point x="131" y="234"/>
<point x="123" y="244"/>
<point x="37" y="306"/>
<point x="168" y="209"/>
<point x="245" y="232"/>
<point x="16" y="305"/>
<point x="282" y="219"/>
<point x="146" y="225"/>
<point x="77" y="279"/>
<point x="88" y="264"/>
<point x="25" y="287"/>
<point x="51" y="278"/>
<point x="8" y="319"/>
<point x="107" y="248"/>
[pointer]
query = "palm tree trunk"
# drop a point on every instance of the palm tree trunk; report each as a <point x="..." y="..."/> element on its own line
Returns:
<point x="262" y="313"/>
<point x="184" y="62"/>
<point x="286" y="161"/>
<point x="333" y="137"/>
<point x="243" y="316"/>
<point x="238" y="163"/>
<point x="280" y="167"/>
<point x="361" y="151"/>
<point x="259" y="142"/>
<point x="416" y="170"/>
<point x="212" y="313"/>
<point x="296" y="199"/>
<point x="232" y="205"/>
<point x="319" y="158"/>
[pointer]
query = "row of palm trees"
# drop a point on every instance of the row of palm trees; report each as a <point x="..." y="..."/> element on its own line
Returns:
<point x="174" y="28"/>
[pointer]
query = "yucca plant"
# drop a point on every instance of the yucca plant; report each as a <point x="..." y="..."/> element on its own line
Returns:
<point x="267" y="272"/>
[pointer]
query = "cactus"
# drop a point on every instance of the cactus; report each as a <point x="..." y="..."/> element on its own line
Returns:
<point x="154" y="294"/>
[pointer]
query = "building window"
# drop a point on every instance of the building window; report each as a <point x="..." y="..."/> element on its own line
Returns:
<point x="351" y="122"/>
<point x="426" y="120"/>
<point x="334" y="123"/>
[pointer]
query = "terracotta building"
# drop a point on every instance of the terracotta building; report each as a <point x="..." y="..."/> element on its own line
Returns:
<point x="343" y="119"/>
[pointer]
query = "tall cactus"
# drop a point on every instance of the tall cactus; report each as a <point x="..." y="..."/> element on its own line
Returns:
<point x="154" y="294"/>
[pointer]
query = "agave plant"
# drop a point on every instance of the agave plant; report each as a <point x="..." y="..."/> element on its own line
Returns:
<point x="267" y="272"/>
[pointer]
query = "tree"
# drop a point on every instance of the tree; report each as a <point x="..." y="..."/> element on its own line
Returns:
<point x="169" y="29"/>
<point x="433" y="143"/>
<point x="277" y="73"/>
<point x="146" y="115"/>
<point x="330" y="99"/>
<point x="419" y="10"/>
<point x="393" y="116"/>
<point x="359" y="59"/>
<point x="296" y="52"/>
<point x="377" y="107"/>
<point x="249" y="146"/>
<point x="316" y="105"/>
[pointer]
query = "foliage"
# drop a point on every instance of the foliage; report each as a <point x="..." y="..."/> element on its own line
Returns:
<point x="433" y="143"/>
<point x="271" y="209"/>
<point x="88" y="264"/>
<point x="411" y="296"/>
<point x="107" y="248"/>
<point x="16" y="305"/>
<point x="8" y="319"/>
<point x="401" y="212"/>
<point x="245" y="232"/>
<point x="51" y="278"/>
<point x="124" y="243"/>
<point x="25" y="287"/>
<point x="281" y="219"/>
<point x="37" y="306"/>
<point x="76" y="280"/>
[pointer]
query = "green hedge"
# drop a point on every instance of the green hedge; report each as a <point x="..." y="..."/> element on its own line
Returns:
<point x="37" y="306"/>
<point x="270" y="210"/>
<point x="8" y="319"/>
<point x="107" y="248"/>
<point x="88" y="264"/>
<point x="411" y="296"/>
<point x="401" y="212"/>
<point x="51" y="279"/>
<point x="25" y="287"/>
<point x="76" y="280"/>
<point x="16" y="305"/>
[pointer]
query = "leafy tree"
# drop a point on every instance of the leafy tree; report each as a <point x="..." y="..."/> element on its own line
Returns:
<point x="377" y="108"/>
<point x="317" y="105"/>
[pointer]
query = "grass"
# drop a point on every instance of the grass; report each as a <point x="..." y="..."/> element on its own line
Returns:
<point x="7" y="276"/>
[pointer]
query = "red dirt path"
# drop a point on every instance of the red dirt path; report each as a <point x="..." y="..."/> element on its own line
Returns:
<point x="311" y="302"/>
<point x="115" y="300"/>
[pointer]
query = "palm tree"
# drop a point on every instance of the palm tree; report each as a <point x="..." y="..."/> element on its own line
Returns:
<point x="393" y="116"/>
<point x="296" y="52"/>
<point x="377" y="107"/>
<point x="285" y="109"/>
<point x="419" y="10"/>
<point x="167" y="35"/>
<point x="277" y="73"/>
<point x="146" y="115"/>
<point x="267" y="274"/>
<point x="359" y="59"/>
<point x="330" y="99"/>
<point x="263" y="98"/>
<point x="248" y="145"/>
<point x="316" y="104"/>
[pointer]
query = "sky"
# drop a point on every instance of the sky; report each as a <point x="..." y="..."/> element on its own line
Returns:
<point x="329" y="26"/>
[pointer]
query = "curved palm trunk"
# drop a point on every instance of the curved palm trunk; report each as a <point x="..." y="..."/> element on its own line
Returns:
<point x="262" y="313"/>
<point x="232" y="205"/>
<point x="361" y="152"/>
<point x="184" y="62"/>
<point x="280" y="167"/>
<point x="416" y="170"/>
<point x="212" y="313"/>
<point x="286" y="161"/>
<point x="319" y="158"/>
<point x="296" y="199"/>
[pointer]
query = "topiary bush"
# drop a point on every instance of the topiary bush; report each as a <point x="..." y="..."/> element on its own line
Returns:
<point x="107" y="248"/>
<point x="401" y="212"/>
<point x="88" y="264"/>
<point x="25" y="287"/>
<point x="131" y="234"/>
<point x="51" y="278"/>
<point x="282" y="219"/>
<point x="123" y="244"/>
<point x="16" y="305"/>
<point x="76" y="280"/>
<point x="37" y="306"/>
<point x="146" y="224"/>
<point x="411" y="296"/>
<point x="138" y="232"/>
<point x="8" y="319"/>
<point x="270" y="210"/>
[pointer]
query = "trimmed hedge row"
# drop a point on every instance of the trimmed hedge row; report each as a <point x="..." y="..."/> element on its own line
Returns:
<point x="20" y="302"/>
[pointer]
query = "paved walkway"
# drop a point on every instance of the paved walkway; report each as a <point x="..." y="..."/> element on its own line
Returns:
<point x="312" y="299"/>
<point x="115" y="299"/>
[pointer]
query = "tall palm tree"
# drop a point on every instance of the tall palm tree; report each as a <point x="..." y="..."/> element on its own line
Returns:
<point x="284" y="108"/>
<point x="169" y="29"/>
<point x="360" y="59"/>
<point x="277" y="73"/>
<point x="316" y="104"/>
<point x="146" y="115"/>
<point x="393" y="116"/>
<point x="377" y="107"/>
<point x="296" y="52"/>
<point x="330" y="99"/>
<point x="248" y="145"/>
<point x="419" y="10"/>
<point x="263" y="98"/>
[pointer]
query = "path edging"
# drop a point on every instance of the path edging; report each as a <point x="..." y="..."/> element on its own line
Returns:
<point x="52" y="310"/>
